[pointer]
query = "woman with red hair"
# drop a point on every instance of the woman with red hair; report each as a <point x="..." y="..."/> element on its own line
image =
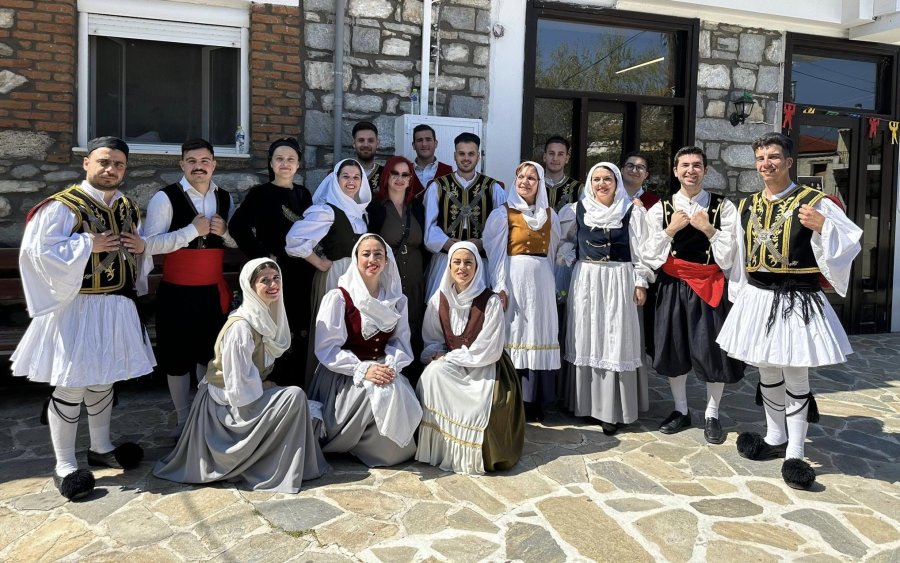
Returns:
<point x="400" y="220"/>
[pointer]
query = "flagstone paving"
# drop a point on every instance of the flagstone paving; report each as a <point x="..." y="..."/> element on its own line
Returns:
<point x="577" y="494"/>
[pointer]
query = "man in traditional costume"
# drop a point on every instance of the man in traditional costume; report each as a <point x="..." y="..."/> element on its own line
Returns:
<point x="792" y="237"/>
<point x="691" y="236"/>
<point x="427" y="166"/>
<point x="457" y="207"/>
<point x="561" y="189"/>
<point x="186" y="221"/>
<point x="80" y="274"/>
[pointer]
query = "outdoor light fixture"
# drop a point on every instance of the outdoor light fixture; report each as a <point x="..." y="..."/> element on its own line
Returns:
<point x="742" y="108"/>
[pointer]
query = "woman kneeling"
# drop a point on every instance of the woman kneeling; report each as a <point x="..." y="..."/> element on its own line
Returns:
<point x="473" y="420"/>
<point x="242" y="427"/>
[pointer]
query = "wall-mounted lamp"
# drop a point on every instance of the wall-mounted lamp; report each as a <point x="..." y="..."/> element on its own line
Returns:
<point x="742" y="108"/>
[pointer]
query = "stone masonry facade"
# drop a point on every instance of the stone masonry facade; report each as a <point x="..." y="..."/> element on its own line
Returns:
<point x="38" y="51"/>
<point x="382" y="65"/>
<point x="734" y="60"/>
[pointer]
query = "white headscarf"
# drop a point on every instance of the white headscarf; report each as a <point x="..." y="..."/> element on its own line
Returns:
<point x="381" y="314"/>
<point x="333" y="194"/>
<point x="268" y="320"/>
<point x="462" y="300"/>
<point x="595" y="213"/>
<point x="536" y="215"/>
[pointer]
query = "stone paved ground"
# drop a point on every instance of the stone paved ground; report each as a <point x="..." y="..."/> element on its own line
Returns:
<point x="576" y="495"/>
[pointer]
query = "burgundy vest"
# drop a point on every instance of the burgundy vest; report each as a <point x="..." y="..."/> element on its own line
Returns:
<point x="365" y="350"/>
<point x="473" y="327"/>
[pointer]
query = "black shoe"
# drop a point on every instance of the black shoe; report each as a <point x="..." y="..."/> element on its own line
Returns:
<point x="609" y="428"/>
<point x="713" y="431"/>
<point x="752" y="446"/>
<point x="675" y="422"/>
<point x="77" y="484"/>
<point x="797" y="474"/>
<point x="126" y="456"/>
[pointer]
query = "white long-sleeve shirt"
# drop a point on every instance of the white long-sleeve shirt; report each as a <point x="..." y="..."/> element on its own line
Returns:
<point x="52" y="258"/>
<point x="308" y="232"/>
<point x="834" y="248"/>
<point x="496" y="239"/>
<point x="435" y="237"/>
<point x="485" y="350"/>
<point x="656" y="247"/>
<point x="243" y="383"/>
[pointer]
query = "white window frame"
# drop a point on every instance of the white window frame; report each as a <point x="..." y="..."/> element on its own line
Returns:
<point x="170" y="21"/>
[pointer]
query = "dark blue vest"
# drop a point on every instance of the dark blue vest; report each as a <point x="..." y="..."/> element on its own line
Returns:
<point x="603" y="245"/>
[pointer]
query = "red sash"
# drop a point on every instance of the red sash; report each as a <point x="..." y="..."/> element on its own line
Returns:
<point x="707" y="280"/>
<point x="190" y="266"/>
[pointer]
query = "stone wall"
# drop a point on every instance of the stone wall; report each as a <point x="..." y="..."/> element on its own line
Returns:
<point x="37" y="107"/>
<point x="734" y="60"/>
<point x="382" y="52"/>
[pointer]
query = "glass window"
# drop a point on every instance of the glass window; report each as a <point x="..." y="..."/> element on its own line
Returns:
<point x="657" y="124"/>
<point x="598" y="58"/>
<point x="159" y="93"/>
<point x="836" y="82"/>
<point x="551" y="117"/>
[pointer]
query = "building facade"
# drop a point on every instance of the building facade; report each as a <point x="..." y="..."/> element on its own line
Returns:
<point x="611" y="75"/>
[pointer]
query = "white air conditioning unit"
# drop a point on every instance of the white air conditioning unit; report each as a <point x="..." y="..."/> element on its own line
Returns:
<point x="446" y="129"/>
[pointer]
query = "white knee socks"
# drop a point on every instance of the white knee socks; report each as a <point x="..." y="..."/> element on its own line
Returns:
<point x="772" y="388"/>
<point x="62" y="417"/>
<point x="713" y="398"/>
<point x="679" y="392"/>
<point x="180" y="388"/>
<point x="98" y="400"/>
<point x="796" y="407"/>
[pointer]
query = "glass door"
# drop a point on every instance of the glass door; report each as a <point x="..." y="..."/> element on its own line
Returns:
<point x="604" y="133"/>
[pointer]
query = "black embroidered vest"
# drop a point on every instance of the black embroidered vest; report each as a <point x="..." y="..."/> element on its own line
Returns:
<point x="603" y="245"/>
<point x="774" y="238"/>
<point x="462" y="212"/>
<point x="183" y="213"/>
<point x="563" y="193"/>
<point x="339" y="241"/>
<point x="106" y="272"/>
<point x="375" y="178"/>
<point x="689" y="244"/>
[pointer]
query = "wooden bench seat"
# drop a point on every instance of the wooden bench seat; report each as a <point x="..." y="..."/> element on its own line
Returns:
<point x="14" y="316"/>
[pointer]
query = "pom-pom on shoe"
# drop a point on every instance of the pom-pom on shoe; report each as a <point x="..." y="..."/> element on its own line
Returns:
<point x="126" y="456"/>
<point x="753" y="446"/>
<point x="77" y="484"/>
<point x="798" y="474"/>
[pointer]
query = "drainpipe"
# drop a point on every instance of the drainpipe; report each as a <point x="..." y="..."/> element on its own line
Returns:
<point x="339" y="16"/>
<point x="425" y="75"/>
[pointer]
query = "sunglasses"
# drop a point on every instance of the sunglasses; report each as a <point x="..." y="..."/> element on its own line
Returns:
<point x="401" y="174"/>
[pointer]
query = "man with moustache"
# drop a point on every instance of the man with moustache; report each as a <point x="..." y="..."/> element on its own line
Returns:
<point x="457" y="206"/>
<point x="426" y="164"/>
<point x="79" y="271"/>
<point x="561" y="189"/>
<point x="691" y="236"/>
<point x="781" y="322"/>
<point x="187" y="221"/>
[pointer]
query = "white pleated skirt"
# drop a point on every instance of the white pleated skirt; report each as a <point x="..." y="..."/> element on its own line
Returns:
<point x="94" y="340"/>
<point x="791" y="342"/>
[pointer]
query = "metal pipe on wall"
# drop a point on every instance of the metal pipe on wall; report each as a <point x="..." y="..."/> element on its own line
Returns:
<point x="339" y="17"/>
<point x="424" y="78"/>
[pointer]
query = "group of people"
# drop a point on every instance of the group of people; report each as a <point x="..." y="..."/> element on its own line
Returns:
<point x="421" y="310"/>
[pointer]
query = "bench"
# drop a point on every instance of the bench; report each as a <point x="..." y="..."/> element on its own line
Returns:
<point x="14" y="316"/>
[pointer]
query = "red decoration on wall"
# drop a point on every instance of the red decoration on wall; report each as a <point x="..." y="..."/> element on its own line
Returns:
<point x="788" y="122"/>
<point x="873" y="127"/>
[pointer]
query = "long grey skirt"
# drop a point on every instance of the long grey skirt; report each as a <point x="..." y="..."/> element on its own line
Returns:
<point x="269" y="444"/>
<point x="349" y="422"/>
<point x="608" y="396"/>
<point x="322" y="283"/>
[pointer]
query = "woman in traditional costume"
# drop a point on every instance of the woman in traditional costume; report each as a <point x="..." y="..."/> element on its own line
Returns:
<point x="259" y="226"/>
<point x="241" y="426"/>
<point x="603" y="234"/>
<point x="520" y="239"/>
<point x="473" y="420"/>
<point x="327" y="233"/>
<point x="400" y="220"/>
<point x="362" y="343"/>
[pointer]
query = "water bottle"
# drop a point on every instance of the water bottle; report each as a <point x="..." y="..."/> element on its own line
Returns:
<point x="239" y="139"/>
<point x="414" y="102"/>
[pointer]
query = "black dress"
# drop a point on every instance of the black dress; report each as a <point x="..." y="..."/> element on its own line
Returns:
<point x="259" y="226"/>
